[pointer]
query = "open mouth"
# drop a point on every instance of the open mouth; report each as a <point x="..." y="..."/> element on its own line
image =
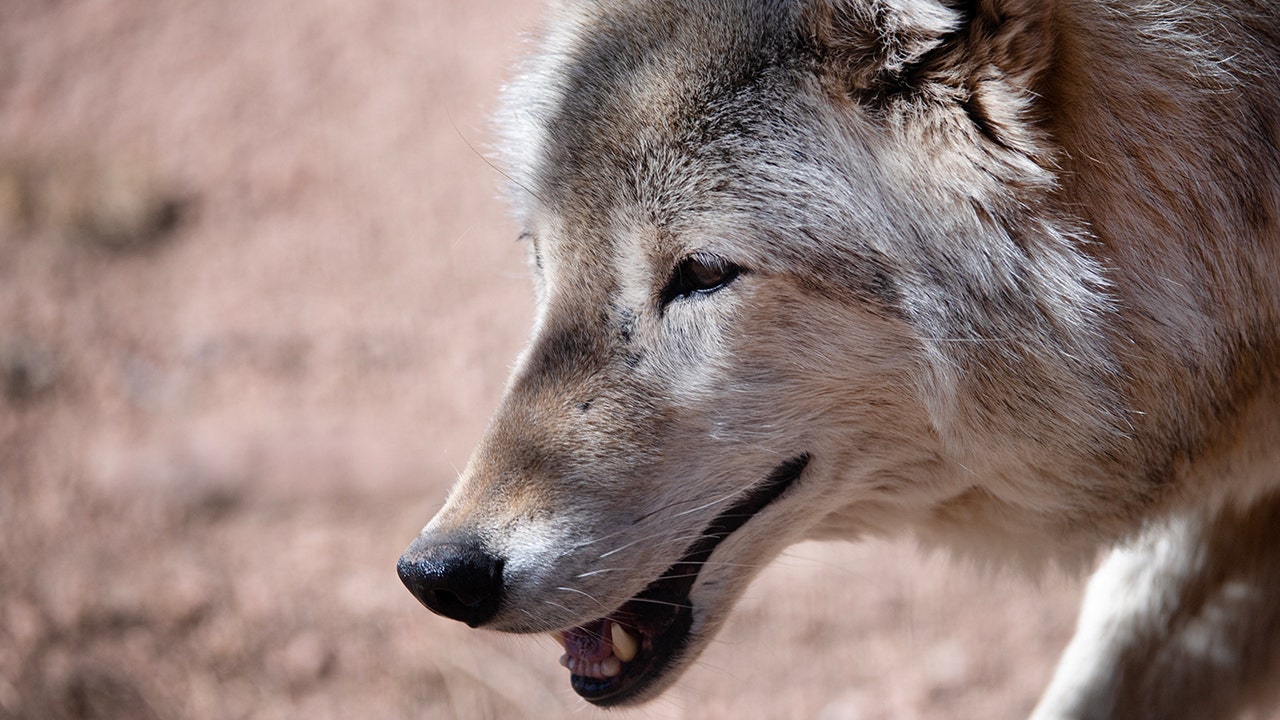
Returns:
<point x="613" y="658"/>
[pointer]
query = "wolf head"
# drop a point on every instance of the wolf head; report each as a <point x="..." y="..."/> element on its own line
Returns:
<point x="799" y="272"/>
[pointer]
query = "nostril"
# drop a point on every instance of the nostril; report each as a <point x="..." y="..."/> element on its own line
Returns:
<point x="457" y="579"/>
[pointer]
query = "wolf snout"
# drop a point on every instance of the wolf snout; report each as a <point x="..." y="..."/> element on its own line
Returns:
<point x="456" y="578"/>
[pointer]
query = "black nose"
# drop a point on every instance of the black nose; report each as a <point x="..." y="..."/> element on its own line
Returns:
<point x="458" y="579"/>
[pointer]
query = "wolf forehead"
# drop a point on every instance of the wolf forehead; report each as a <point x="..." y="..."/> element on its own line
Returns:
<point x="685" y="114"/>
<point x="859" y="143"/>
<point x="626" y="92"/>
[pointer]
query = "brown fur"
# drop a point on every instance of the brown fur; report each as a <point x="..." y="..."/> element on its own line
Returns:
<point x="1003" y="274"/>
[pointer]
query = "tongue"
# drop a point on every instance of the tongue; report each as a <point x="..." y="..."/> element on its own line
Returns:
<point x="589" y="651"/>
<point x="589" y="643"/>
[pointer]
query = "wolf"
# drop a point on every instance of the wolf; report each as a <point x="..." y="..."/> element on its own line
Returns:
<point x="1003" y="275"/>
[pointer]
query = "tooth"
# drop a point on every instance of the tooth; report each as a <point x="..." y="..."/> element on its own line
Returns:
<point x="564" y="660"/>
<point x="624" y="645"/>
<point x="610" y="667"/>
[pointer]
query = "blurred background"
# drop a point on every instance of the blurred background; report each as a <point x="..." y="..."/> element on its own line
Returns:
<point x="258" y="295"/>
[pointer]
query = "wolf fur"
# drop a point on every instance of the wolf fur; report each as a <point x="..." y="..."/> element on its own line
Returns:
<point x="1003" y="274"/>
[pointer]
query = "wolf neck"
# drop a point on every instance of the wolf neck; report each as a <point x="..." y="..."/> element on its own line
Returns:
<point x="1190" y="131"/>
<point x="1170" y="155"/>
<point x="1166" y="151"/>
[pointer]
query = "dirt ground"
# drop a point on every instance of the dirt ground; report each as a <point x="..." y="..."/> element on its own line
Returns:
<point x="258" y="295"/>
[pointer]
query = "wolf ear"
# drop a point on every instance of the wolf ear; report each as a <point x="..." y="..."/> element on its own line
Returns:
<point x="891" y="45"/>
<point x="861" y="43"/>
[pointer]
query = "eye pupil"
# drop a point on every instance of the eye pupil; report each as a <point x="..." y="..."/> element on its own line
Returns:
<point x="699" y="274"/>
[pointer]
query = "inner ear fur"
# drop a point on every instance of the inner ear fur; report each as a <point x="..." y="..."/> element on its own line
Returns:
<point x="879" y="47"/>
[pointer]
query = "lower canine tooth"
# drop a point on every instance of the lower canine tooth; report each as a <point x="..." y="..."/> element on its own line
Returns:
<point x="624" y="645"/>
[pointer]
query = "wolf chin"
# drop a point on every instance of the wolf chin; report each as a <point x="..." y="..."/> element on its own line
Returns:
<point x="1001" y="274"/>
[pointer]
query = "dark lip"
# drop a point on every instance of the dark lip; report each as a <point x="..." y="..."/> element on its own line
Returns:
<point x="662" y="612"/>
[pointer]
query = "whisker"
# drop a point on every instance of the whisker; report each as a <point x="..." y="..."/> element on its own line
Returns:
<point x="651" y="601"/>
<point x="486" y="160"/>
<point x="668" y="506"/>
<point x="712" y="503"/>
<point x="637" y="541"/>
<point x="644" y="517"/>
<point x="585" y="594"/>
<point x="590" y="633"/>
<point x="593" y="541"/>
<point x="558" y="605"/>
<point x="663" y="566"/>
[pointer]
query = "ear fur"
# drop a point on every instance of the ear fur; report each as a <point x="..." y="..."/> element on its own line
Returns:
<point x="865" y="42"/>
<point x="890" y="46"/>
<point x="1015" y="37"/>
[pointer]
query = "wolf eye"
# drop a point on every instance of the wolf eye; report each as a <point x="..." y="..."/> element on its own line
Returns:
<point x="700" y="273"/>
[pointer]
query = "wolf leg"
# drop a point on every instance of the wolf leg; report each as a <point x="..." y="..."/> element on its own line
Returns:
<point x="1183" y="623"/>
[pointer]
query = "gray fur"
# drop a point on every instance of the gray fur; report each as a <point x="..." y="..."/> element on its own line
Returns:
<point x="1011" y="279"/>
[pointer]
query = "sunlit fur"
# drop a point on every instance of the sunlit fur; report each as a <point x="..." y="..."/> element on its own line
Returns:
<point x="1011" y="279"/>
